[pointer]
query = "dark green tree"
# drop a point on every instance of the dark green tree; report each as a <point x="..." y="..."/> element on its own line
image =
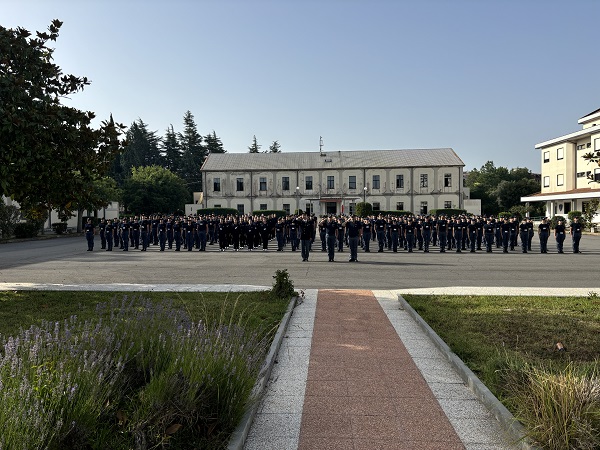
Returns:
<point x="509" y="192"/>
<point x="154" y="189"/>
<point x="142" y="148"/>
<point x="275" y="147"/>
<point x="364" y="209"/>
<point x="50" y="154"/>
<point x="213" y="143"/>
<point x="254" y="148"/>
<point x="171" y="150"/>
<point x="193" y="153"/>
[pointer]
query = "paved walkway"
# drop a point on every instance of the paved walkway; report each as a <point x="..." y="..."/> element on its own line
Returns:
<point x="356" y="372"/>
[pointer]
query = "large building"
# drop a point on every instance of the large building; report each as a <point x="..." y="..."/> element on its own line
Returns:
<point x="565" y="179"/>
<point x="333" y="182"/>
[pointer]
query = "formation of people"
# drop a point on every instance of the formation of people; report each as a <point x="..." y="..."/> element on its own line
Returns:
<point x="385" y="233"/>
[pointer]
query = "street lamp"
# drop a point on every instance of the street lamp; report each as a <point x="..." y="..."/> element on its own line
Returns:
<point x="365" y="195"/>
<point x="297" y="198"/>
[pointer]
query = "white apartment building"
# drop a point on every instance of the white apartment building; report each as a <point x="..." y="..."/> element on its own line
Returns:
<point x="333" y="182"/>
<point x="565" y="181"/>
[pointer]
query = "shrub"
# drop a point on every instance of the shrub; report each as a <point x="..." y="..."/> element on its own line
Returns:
<point x="448" y="212"/>
<point x="218" y="211"/>
<point x="27" y="229"/>
<point x="283" y="287"/>
<point x="364" y="209"/>
<point x="554" y="221"/>
<point x="10" y="216"/>
<point x="146" y="376"/>
<point x="59" y="227"/>
<point x="268" y="212"/>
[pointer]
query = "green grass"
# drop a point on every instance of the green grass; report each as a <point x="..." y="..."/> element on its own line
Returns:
<point x="25" y="308"/>
<point x="510" y="343"/>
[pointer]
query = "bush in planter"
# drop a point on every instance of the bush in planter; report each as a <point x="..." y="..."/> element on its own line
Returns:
<point x="59" y="227"/>
<point x="555" y="220"/>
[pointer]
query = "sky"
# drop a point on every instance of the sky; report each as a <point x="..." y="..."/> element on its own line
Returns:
<point x="489" y="79"/>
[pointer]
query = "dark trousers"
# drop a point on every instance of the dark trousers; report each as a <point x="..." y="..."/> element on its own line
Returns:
<point x="524" y="236"/>
<point x="576" y="239"/>
<point x="560" y="239"/>
<point x="353" y="245"/>
<point x="331" y="246"/>
<point x="89" y="236"/>
<point x="426" y="238"/>
<point x="366" y="241"/>
<point x="381" y="240"/>
<point x="543" y="242"/>
<point x="305" y="248"/>
<point x="442" y="237"/>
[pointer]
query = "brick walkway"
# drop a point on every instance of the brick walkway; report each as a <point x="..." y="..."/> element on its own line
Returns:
<point x="363" y="389"/>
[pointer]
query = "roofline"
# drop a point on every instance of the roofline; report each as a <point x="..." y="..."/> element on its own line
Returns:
<point x="591" y="116"/>
<point x="567" y="137"/>
<point x="561" y="196"/>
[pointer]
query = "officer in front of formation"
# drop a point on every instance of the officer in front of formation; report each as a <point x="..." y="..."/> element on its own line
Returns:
<point x="90" y="231"/>
<point x="488" y="232"/>
<point x="380" y="226"/>
<point x="576" y="229"/>
<point x="307" y="232"/>
<point x="524" y="235"/>
<point x="354" y="230"/>
<point x="559" y="235"/>
<point x="332" y="229"/>
<point x="544" y="233"/>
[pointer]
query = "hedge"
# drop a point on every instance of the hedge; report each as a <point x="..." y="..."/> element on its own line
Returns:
<point x="398" y="213"/>
<point x="27" y="229"/>
<point x="268" y="212"/>
<point x="448" y="212"/>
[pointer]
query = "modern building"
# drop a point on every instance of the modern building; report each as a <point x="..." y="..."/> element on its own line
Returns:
<point x="333" y="182"/>
<point x="568" y="180"/>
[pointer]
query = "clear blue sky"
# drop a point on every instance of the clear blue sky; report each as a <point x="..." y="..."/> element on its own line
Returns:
<point x="488" y="78"/>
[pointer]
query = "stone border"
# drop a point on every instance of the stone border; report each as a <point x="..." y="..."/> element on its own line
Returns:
<point x="240" y="434"/>
<point x="508" y="422"/>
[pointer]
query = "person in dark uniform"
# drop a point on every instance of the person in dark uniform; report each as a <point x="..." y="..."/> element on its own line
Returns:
<point x="514" y="227"/>
<point x="576" y="229"/>
<point x="279" y="234"/>
<point x="90" y="231"/>
<point x="102" y="230"/>
<point x="380" y="225"/>
<point x="426" y="227"/>
<point x="442" y="230"/>
<point x="524" y="235"/>
<point x="144" y="230"/>
<point x="331" y="228"/>
<point x="480" y="224"/>
<point x="544" y="233"/>
<point x="394" y="234"/>
<point x="354" y="229"/>
<point x="189" y="235"/>
<point x="162" y="234"/>
<point x="236" y="229"/>
<point x="177" y="234"/>
<point x="488" y="233"/>
<point x="472" y="230"/>
<point x="170" y="235"/>
<point x="458" y="234"/>
<point x="505" y="230"/>
<point x="135" y="233"/>
<point x="202" y="232"/>
<point x="306" y="235"/>
<point x="293" y="229"/>
<point x="125" y="227"/>
<point x="263" y="229"/>
<point x="222" y="234"/>
<point x="409" y="235"/>
<point x="531" y="233"/>
<point x="498" y="227"/>
<point x="109" y="235"/>
<point x="366" y="234"/>
<point x="323" y="234"/>
<point x="154" y="227"/>
<point x="340" y="234"/>
<point x="559" y="235"/>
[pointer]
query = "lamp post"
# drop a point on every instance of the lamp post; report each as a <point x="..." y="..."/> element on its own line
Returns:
<point x="297" y="198"/>
<point x="365" y="195"/>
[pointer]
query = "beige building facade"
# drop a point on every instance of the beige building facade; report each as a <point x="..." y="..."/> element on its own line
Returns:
<point x="568" y="180"/>
<point x="334" y="182"/>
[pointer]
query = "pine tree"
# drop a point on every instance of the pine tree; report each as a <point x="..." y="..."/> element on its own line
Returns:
<point x="213" y="143"/>
<point x="275" y="147"/>
<point x="142" y="148"/>
<point x="254" y="148"/>
<point x="193" y="153"/>
<point x="171" y="150"/>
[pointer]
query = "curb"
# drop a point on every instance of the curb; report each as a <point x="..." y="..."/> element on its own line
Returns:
<point x="239" y="435"/>
<point x="507" y="421"/>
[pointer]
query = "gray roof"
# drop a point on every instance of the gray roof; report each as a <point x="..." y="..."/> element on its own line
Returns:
<point x="364" y="159"/>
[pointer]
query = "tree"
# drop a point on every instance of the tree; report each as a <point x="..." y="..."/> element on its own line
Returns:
<point x="213" y="143"/>
<point x="589" y="210"/>
<point x="275" y="147"/>
<point x="509" y="193"/>
<point x="254" y="148"/>
<point x="364" y="209"/>
<point x="171" y="150"/>
<point x="10" y="216"/>
<point x="154" y="189"/>
<point x="142" y="148"/>
<point x="193" y="153"/>
<point x="50" y="153"/>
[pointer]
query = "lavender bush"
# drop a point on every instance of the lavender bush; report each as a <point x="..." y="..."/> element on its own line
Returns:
<point x="145" y="376"/>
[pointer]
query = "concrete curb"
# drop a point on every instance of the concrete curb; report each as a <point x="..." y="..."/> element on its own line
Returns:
<point x="508" y="422"/>
<point x="239" y="435"/>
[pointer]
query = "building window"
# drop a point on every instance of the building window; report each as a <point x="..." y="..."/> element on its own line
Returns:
<point x="399" y="206"/>
<point x="423" y="208"/>
<point x="546" y="181"/>
<point x="285" y="183"/>
<point x="217" y="184"/>
<point x="352" y="208"/>
<point x="447" y="180"/>
<point x="447" y="204"/>
<point x="286" y="208"/>
<point x="262" y="183"/>
<point x="263" y="206"/>
<point x="239" y="184"/>
<point x="217" y="205"/>
<point x="308" y="183"/>
<point x="424" y="181"/>
<point x="330" y="182"/>
<point x="376" y="206"/>
<point x="597" y="175"/>
<point x="399" y="181"/>
<point x="376" y="182"/>
<point x="596" y="144"/>
<point x="240" y="209"/>
<point x="352" y="182"/>
<point x="546" y="157"/>
<point x="560" y="179"/>
<point x="560" y="153"/>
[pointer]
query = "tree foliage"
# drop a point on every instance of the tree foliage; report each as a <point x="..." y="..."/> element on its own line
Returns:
<point x="501" y="189"/>
<point x="50" y="153"/>
<point x="10" y="216"/>
<point x="275" y="147"/>
<point x="213" y="143"/>
<point x="254" y="147"/>
<point x="364" y="209"/>
<point x="193" y="153"/>
<point x="171" y="150"/>
<point x="154" y="189"/>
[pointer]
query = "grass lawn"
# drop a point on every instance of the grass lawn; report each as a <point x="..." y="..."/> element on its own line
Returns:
<point x="25" y="308"/>
<point x="510" y="343"/>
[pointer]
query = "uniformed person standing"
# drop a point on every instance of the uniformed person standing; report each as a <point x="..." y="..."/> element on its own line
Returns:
<point x="162" y="234"/>
<point x="544" y="233"/>
<point x="102" y="229"/>
<point x="279" y="231"/>
<point x="488" y="232"/>
<point x="505" y="230"/>
<point x="331" y="228"/>
<point x="306" y="235"/>
<point x="177" y="235"/>
<point x="380" y="226"/>
<point x="135" y="232"/>
<point x="90" y="231"/>
<point x="366" y="234"/>
<point x="125" y="227"/>
<point x="426" y="230"/>
<point x="442" y="231"/>
<point x="524" y="235"/>
<point x="394" y="233"/>
<point x="353" y="228"/>
<point x="576" y="229"/>
<point x="472" y="230"/>
<point x="109" y="235"/>
<point x="559" y="235"/>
